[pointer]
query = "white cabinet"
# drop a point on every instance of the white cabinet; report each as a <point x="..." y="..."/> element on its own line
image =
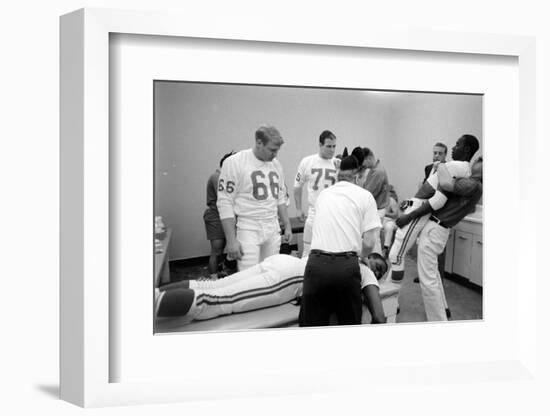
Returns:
<point x="476" y="265"/>
<point x="465" y="251"/>
<point x="462" y="253"/>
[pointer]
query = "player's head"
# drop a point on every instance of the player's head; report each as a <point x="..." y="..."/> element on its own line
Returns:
<point x="349" y="169"/>
<point x="377" y="264"/>
<point x="369" y="159"/>
<point x="327" y="144"/>
<point x="392" y="193"/>
<point x="465" y="147"/>
<point x="268" y="143"/>
<point x="439" y="152"/>
<point x="231" y="153"/>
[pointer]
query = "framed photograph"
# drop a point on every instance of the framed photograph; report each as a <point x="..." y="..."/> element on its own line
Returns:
<point x="138" y="140"/>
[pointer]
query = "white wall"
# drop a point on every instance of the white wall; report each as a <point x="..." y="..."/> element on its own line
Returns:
<point x="197" y="123"/>
<point x="418" y="121"/>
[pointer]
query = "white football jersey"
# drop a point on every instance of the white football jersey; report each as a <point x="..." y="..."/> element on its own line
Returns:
<point x="318" y="173"/>
<point x="250" y="188"/>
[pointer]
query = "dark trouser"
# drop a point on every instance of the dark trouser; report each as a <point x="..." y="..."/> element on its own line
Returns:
<point x="332" y="284"/>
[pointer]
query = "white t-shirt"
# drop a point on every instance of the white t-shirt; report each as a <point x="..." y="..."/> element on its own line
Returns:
<point x="367" y="276"/>
<point x="319" y="174"/>
<point x="343" y="212"/>
<point x="250" y="188"/>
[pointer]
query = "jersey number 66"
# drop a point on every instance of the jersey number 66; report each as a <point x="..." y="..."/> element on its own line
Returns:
<point x="260" y="190"/>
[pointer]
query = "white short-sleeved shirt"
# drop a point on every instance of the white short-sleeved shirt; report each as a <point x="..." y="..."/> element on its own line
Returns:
<point x="367" y="277"/>
<point x="318" y="174"/>
<point x="343" y="212"/>
<point x="250" y="188"/>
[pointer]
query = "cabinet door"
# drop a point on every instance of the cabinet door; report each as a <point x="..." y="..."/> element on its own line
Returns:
<point x="462" y="254"/>
<point x="476" y="267"/>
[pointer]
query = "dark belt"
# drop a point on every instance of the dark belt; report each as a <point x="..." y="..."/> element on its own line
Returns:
<point x="437" y="221"/>
<point x="328" y="253"/>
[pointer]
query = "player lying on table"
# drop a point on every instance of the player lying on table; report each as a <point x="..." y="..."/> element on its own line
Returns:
<point x="276" y="280"/>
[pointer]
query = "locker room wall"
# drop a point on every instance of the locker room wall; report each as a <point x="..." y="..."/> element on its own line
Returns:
<point x="195" y="124"/>
<point x="420" y="120"/>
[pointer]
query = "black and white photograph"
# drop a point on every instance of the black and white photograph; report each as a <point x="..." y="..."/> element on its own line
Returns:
<point x="289" y="206"/>
<point x="275" y="208"/>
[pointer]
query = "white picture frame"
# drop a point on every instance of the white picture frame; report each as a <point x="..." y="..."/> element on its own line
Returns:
<point x="85" y="355"/>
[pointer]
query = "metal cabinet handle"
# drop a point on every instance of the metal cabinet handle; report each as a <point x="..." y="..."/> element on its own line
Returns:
<point x="462" y="237"/>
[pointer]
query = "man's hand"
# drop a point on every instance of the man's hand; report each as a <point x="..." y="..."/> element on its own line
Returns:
<point x="287" y="235"/>
<point x="234" y="251"/>
<point x="301" y="215"/>
<point x="403" y="220"/>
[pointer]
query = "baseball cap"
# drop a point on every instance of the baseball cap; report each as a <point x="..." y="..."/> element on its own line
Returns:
<point x="349" y="163"/>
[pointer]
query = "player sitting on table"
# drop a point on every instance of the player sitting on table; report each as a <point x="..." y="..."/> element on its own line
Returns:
<point x="276" y="280"/>
<point x="442" y="176"/>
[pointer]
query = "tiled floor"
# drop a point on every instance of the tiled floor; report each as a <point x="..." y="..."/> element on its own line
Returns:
<point x="464" y="303"/>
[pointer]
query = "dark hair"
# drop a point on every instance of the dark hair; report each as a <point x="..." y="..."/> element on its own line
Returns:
<point x="359" y="155"/>
<point x="326" y="134"/>
<point x="443" y="145"/>
<point x="472" y="143"/>
<point x="231" y="153"/>
<point x="266" y="133"/>
<point x="378" y="256"/>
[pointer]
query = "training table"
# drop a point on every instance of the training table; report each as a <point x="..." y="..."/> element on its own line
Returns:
<point x="282" y="316"/>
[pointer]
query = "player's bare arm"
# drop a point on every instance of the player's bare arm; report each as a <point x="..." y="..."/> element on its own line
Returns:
<point x="298" y="201"/>
<point x="422" y="210"/>
<point x="233" y="247"/>
<point x="371" y="297"/>
<point x="283" y="215"/>
<point x="369" y="241"/>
